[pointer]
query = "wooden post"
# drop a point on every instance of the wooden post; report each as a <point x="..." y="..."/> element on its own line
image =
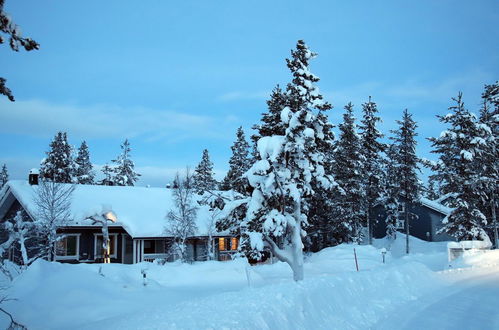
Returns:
<point x="356" y="263"/>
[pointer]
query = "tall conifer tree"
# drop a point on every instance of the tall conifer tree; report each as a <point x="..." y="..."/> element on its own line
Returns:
<point x="58" y="166"/>
<point x="203" y="175"/>
<point x="4" y="176"/>
<point x="239" y="163"/>
<point x="372" y="150"/>
<point x="84" y="173"/>
<point x="348" y="160"/>
<point x="458" y="148"/>
<point x="124" y="168"/>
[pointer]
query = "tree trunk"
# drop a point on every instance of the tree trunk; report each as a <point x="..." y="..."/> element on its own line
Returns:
<point x="494" y="220"/>
<point x="406" y="216"/>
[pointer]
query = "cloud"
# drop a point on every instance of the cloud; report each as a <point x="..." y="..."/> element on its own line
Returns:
<point x="241" y="95"/>
<point x="41" y="119"/>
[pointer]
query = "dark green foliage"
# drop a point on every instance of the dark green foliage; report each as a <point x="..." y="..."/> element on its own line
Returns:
<point x="203" y="175"/>
<point x="83" y="167"/>
<point x="239" y="163"/>
<point x="58" y="166"/>
<point x="124" y="168"/>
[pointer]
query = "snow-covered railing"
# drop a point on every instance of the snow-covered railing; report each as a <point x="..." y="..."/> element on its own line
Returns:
<point x="457" y="249"/>
<point x="150" y="257"/>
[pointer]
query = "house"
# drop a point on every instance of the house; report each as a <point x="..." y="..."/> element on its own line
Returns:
<point x="139" y="233"/>
<point x="430" y="215"/>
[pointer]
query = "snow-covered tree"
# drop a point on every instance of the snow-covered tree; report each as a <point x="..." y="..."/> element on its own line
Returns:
<point x="283" y="178"/>
<point x="58" y="166"/>
<point x="391" y="198"/>
<point x="323" y="228"/>
<point x="488" y="162"/>
<point x="107" y="170"/>
<point x="13" y="32"/>
<point x="19" y="230"/>
<point x="124" y="167"/>
<point x="404" y="183"/>
<point x="348" y="160"/>
<point x="84" y="173"/>
<point x="432" y="190"/>
<point x="271" y="120"/>
<point x="103" y="219"/>
<point x="372" y="150"/>
<point x="4" y="176"/>
<point x="239" y="163"/>
<point x="181" y="221"/>
<point x="458" y="147"/>
<point x="53" y="206"/>
<point x="203" y="175"/>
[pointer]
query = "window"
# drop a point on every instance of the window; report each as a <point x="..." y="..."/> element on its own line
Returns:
<point x="233" y="243"/>
<point x="113" y="244"/>
<point x="221" y="244"/>
<point x="149" y="246"/>
<point x="67" y="247"/>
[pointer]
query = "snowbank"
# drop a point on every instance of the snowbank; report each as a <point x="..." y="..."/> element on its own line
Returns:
<point x="217" y="295"/>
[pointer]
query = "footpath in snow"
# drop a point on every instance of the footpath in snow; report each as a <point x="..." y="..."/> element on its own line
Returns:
<point x="413" y="292"/>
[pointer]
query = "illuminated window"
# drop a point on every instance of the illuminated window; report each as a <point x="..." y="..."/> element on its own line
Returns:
<point x="67" y="247"/>
<point x="221" y="244"/>
<point x="113" y="240"/>
<point x="233" y="243"/>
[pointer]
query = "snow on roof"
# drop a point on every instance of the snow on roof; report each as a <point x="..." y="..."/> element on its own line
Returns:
<point x="436" y="206"/>
<point x="140" y="211"/>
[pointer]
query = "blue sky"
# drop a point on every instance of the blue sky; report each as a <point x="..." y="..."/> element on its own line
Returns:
<point x="178" y="77"/>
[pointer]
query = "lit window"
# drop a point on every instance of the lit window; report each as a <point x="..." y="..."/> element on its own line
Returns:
<point x="67" y="247"/>
<point x="233" y="243"/>
<point x="221" y="244"/>
<point x="112" y="246"/>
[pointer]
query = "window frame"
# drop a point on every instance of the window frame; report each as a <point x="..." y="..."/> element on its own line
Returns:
<point x="71" y="257"/>
<point x="115" y="246"/>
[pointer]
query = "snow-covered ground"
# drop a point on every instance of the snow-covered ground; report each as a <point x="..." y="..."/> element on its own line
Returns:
<point x="415" y="292"/>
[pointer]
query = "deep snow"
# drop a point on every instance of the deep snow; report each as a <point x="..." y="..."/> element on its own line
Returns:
<point x="218" y="294"/>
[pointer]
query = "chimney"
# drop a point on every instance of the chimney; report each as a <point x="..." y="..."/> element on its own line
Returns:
<point x="33" y="176"/>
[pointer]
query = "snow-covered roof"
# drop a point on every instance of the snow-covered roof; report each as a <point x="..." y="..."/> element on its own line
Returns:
<point x="436" y="206"/>
<point x="140" y="211"/>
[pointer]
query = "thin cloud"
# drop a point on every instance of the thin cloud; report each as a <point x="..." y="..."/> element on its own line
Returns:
<point x="41" y="119"/>
<point x="241" y="95"/>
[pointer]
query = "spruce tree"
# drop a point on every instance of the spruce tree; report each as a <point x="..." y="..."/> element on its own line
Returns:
<point x="271" y="120"/>
<point x="391" y="198"/>
<point x="283" y="178"/>
<point x="488" y="162"/>
<point x="108" y="175"/>
<point x="432" y="190"/>
<point x="203" y="175"/>
<point x="372" y="150"/>
<point x="405" y="181"/>
<point x="58" y="166"/>
<point x="4" y="176"/>
<point x="124" y="167"/>
<point x="84" y="173"/>
<point x="348" y="160"/>
<point x="458" y="147"/>
<point x="239" y="163"/>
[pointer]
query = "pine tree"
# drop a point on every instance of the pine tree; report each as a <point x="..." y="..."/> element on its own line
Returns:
<point x="432" y="190"/>
<point x="458" y="147"/>
<point x="283" y="178"/>
<point x="488" y="162"/>
<point x="58" y="166"/>
<point x="373" y="169"/>
<point x="323" y="228"/>
<point x="391" y="198"/>
<point x="124" y="168"/>
<point x="271" y="120"/>
<point x="239" y="163"/>
<point x="405" y="182"/>
<point x="108" y="175"/>
<point x="348" y="160"/>
<point x="203" y="175"/>
<point x="4" y="176"/>
<point x="83" y="167"/>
